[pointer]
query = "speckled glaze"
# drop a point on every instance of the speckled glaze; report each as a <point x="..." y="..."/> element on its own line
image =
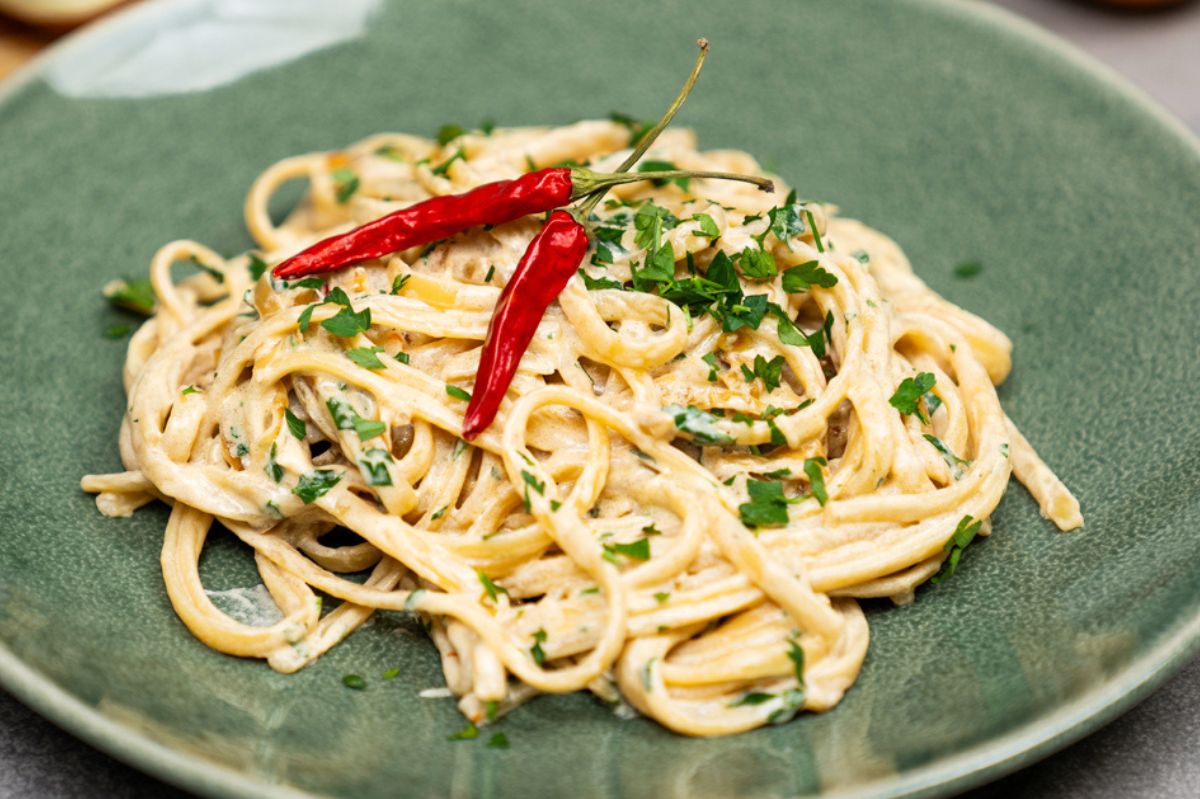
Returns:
<point x="958" y="131"/>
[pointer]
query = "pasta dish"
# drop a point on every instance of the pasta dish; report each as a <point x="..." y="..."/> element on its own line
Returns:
<point x="742" y="415"/>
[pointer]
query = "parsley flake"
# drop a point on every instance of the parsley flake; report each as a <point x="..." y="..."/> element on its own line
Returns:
<point x="767" y="506"/>
<point x="346" y="323"/>
<point x="366" y="357"/>
<point x="909" y="393"/>
<point x="492" y="590"/>
<point x="316" y="484"/>
<point x="295" y="424"/>
<point x="345" y="183"/>
<point x="700" y="424"/>
<point x="963" y="535"/>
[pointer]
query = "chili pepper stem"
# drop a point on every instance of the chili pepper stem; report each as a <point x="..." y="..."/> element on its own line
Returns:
<point x="586" y="182"/>
<point x="584" y="209"/>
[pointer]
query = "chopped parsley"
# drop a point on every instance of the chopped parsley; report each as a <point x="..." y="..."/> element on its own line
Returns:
<point x="757" y="264"/>
<point x="816" y="233"/>
<point x="908" y="395"/>
<point x="346" y="322"/>
<point x="534" y="483"/>
<point x="458" y="393"/>
<point x="366" y="357"/>
<point x="316" y="484"/>
<point x="392" y="673"/>
<point x="662" y="596"/>
<point x="770" y="372"/>
<point x="295" y="424"/>
<point x="402" y="357"/>
<point x="467" y="733"/>
<point x="796" y="655"/>
<point x="806" y="275"/>
<point x="400" y="282"/>
<point x="498" y="741"/>
<point x="256" y="266"/>
<point x="444" y="167"/>
<point x="767" y="506"/>
<point x="345" y="183"/>
<point x="355" y="682"/>
<point x="132" y="295"/>
<point x="955" y="463"/>
<point x="752" y="698"/>
<point x="708" y="226"/>
<point x="701" y="425"/>
<point x="968" y="269"/>
<point x="492" y="590"/>
<point x="597" y="283"/>
<point x="638" y="550"/>
<point x="273" y="469"/>
<point x="448" y="133"/>
<point x="711" y="360"/>
<point x="190" y="390"/>
<point x="213" y="272"/>
<point x="374" y="466"/>
<point x="963" y="535"/>
<point x="305" y="318"/>
<point x="539" y="638"/>
<point x="816" y="479"/>
<point x="117" y="331"/>
<point x="785" y="221"/>
<point x="490" y="273"/>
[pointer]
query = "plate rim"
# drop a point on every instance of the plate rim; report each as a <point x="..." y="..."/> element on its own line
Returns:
<point x="983" y="762"/>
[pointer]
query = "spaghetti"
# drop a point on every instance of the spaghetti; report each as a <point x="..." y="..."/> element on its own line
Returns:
<point x="743" y="415"/>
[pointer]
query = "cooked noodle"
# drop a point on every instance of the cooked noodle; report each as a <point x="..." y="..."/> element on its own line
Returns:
<point x="612" y="541"/>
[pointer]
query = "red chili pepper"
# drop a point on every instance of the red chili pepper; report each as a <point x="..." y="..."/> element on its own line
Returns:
<point x="489" y="204"/>
<point x="433" y="219"/>
<point x="553" y="256"/>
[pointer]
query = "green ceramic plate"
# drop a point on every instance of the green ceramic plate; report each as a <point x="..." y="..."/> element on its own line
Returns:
<point x="961" y="132"/>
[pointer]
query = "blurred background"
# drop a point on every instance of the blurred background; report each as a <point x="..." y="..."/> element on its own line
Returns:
<point x="1155" y="44"/>
<point x="1152" y="751"/>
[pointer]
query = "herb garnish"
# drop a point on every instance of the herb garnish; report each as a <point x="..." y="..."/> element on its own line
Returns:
<point x="908" y="395"/>
<point x="354" y="681"/>
<point x="968" y="269"/>
<point x="770" y="372"/>
<point x="346" y="323"/>
<point x="132" y="295"/>
<point x="374" y="466"/>
<point x="700" y="424"/>
<point x="767" y="506"/>
<point x="963" y="534"/>
<point x="492" y="590"/>
<point x="295" y="424"/>
<point x="465" y="734"/>
<point x="806" y="275"/>
<point x="273" y="469"/>
<point x="345" y="183"/>
<point x="638" y="550"/>
<point x="256" y="266"/>
<point x="816" y="479"/>
<point x="366" y="357"/>
<point x="539" y="656"/>
<point x="458" y="393"/>
<point x="316" y="484"/>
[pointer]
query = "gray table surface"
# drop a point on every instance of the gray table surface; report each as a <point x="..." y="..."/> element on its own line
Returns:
<point x="1151" y="751"/>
